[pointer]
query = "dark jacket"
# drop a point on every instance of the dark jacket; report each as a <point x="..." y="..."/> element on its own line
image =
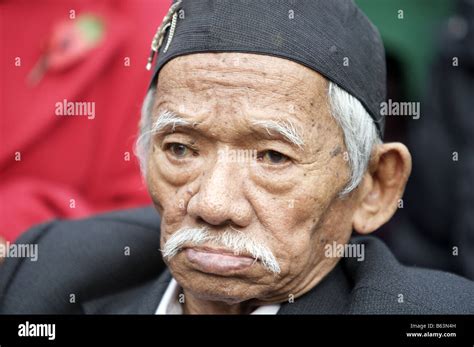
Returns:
<point x="83" y="267"/>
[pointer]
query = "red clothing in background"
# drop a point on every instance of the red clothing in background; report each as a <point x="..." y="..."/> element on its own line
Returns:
<point x="59" y="166"/>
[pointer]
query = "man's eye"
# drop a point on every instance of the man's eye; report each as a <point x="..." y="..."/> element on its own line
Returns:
<point x="178" y="149"/>
<point x="272" y="157"/>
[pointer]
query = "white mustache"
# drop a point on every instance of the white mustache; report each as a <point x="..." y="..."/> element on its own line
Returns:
<point x="237" y="242"/>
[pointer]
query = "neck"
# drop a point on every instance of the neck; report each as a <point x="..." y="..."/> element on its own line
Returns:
<point x="194" y="305"/>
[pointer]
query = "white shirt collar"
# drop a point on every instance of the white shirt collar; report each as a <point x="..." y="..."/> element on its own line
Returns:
<point x="169" y="303"/>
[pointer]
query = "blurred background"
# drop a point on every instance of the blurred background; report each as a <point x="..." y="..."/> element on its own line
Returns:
<point x="430" y="59"/>
<point x="95" y="51"/>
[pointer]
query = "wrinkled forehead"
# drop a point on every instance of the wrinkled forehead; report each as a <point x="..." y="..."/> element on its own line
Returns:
<point x="241" y="70"/>
<point x="248" y="80"/>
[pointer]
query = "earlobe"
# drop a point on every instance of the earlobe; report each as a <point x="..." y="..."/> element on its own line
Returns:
<point x="382" y="187"/>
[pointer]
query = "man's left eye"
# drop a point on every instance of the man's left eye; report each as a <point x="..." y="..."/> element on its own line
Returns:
<point x="273" y="157"/>
<point x="178" y="149"/>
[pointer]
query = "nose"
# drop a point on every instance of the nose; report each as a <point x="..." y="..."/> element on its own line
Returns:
<point x="220" y="199"/>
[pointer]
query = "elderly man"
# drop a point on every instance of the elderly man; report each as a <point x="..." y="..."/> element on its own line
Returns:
<point x="261" y="146"/>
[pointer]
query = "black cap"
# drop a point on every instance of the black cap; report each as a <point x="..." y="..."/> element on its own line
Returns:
<point x="332" y="37"/>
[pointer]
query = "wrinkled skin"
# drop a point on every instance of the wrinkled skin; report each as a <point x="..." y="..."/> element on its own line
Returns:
<point x="289" y="198"/>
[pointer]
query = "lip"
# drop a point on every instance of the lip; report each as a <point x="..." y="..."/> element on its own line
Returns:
<point x="217" y="261"/>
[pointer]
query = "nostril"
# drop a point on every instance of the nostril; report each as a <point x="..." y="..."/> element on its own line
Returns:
<point x="200" y="221"/>
<point x="206" y="222"/>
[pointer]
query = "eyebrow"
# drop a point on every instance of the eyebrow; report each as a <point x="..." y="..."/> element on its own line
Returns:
<point x="168" y="120"/>
<point x="285" y="128"/>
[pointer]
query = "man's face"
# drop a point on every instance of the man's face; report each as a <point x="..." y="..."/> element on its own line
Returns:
<point x="285" y="196"/>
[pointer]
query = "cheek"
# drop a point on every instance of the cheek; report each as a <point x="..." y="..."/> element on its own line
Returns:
<point x="287" y="231"/>
<point x="300" y="219"/>
<point x="298" y="209"/>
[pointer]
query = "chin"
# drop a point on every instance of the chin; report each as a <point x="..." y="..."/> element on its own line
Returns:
<point x="225" y="289"/>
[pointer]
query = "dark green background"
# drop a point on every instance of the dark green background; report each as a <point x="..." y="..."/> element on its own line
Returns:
<point x="411" y="39"/>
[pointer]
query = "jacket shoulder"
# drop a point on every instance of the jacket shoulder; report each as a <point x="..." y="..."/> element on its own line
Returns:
<point x="383" y="285"/>
<point x="79" y="260"/>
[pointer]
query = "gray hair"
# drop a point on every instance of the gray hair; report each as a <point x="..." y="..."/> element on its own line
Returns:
<point x="360" y="132"/>
<point x="142" y="146"/>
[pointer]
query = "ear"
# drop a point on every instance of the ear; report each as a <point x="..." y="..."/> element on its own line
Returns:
<point x="382" y="187"/>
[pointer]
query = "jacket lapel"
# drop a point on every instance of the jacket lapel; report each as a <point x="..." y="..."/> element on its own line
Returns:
<point x="142" y="299"/>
